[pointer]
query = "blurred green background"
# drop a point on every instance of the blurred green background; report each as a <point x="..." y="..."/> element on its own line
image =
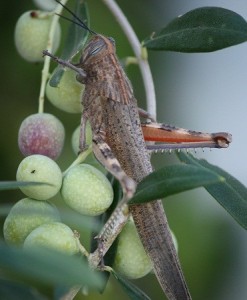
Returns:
<point x="198" y="91"/>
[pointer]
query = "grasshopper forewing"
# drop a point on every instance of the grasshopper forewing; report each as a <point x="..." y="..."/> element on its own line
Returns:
<point x="118" y="143"/>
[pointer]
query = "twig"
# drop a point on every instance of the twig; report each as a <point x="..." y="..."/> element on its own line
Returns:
<point x="45" y="71"/>
<point x="138" y="50"/>
<point x="80" y="158"/>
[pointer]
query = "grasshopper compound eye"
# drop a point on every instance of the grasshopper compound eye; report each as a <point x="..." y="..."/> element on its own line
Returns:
<point x="96" y="46"/>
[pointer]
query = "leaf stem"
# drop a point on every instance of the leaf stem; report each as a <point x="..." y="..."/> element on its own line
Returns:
<point x="80" y="158"/>
<point x="82" y="249"/>
<point x="45" y="70"/>
<point x="138" y="50"/>
<point x="70" y="295"/>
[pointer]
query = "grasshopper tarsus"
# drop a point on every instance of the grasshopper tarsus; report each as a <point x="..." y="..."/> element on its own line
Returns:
<point x="223" y="139"/>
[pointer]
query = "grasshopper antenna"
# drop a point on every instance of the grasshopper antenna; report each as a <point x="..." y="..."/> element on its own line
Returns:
<point x="79" y="23"/>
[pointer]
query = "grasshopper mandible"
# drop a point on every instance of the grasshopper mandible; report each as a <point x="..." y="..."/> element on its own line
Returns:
<point x="118" y="143"/>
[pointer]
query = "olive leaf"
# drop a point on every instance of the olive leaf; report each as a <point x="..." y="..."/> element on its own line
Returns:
<point x="173" y="179"/>
<point x="230" y="193"/>
<point x="74" y="42"/>
<point x="203" y="29"/>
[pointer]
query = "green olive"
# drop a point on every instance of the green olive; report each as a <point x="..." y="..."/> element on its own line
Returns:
<point x="54" y="235"/>
<point x="31" y="35"/>
<point x="67" y="95"/>
<point x="131" y="259"/>
<point x="87" y="190"/>
<point x="25" y="216"/>
<point x="39" y="168"/>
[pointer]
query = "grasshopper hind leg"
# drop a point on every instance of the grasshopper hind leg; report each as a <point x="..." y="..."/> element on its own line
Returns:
<point x="106" y="157"/>
<point x="120" y="215"/>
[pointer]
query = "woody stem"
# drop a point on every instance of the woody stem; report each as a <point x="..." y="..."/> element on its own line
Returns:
<point x="45" y="70"/>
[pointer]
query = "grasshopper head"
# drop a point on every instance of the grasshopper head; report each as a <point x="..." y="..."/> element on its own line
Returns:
<point x="98" y="47"/>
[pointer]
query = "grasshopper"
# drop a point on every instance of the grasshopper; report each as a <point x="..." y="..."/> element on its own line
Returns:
<point x="119" y="144"/>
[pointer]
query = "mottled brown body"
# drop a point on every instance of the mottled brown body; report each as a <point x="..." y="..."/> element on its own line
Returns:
<point x="118" y="143"/>
<point x="112" y="111"/>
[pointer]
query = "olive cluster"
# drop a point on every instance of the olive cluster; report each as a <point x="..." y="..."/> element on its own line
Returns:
<point x="34" y="221"/>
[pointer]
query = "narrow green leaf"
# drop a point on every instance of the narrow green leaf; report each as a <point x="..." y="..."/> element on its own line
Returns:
<point x="47" y="267"/>
<point x="13" y="185"/>
<point x="65" y="293"/>
<point x="203" y="29"/>
<point x="75" y="40"/>
<point x="75" y="220"/>
<point x="172" y="180"/>
<point x="56" y="76"/>
<point x="230" y="193"/>
<point x="4" y="210"/>
<point x="132" y="291"/>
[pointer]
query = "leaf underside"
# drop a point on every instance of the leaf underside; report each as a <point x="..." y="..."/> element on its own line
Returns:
<point x="13" y="185"/>
<point x="131" y="290"/>
<point x="230" y="193"/>
<point x="47" y="267"/>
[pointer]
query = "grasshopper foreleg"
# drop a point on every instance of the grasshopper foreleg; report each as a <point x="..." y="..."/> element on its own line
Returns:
<point x="65" y="63"/>
<point x="82" y="141"/>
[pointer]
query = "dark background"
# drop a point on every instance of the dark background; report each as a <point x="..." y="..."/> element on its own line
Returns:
<point x="200" y="91"/>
